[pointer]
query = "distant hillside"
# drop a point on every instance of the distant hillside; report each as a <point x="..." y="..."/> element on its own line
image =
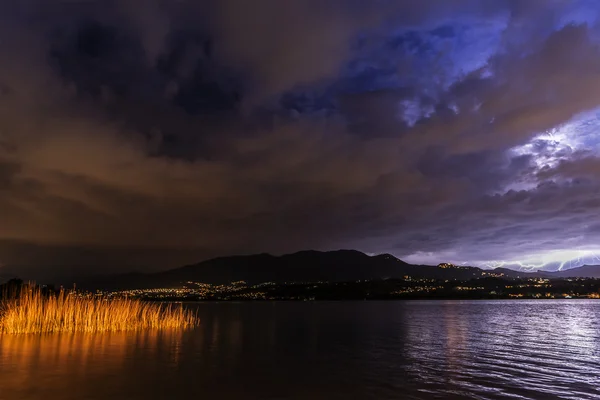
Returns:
<point x="304" y="266"/>
<point x="309" y="266"/>
<point x="586" y="271"/>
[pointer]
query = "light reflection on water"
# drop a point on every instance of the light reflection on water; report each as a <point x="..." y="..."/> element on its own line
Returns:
<point x="60" y="365"/>
<point x="347" y="350"/>
<point x="536" y="349"/>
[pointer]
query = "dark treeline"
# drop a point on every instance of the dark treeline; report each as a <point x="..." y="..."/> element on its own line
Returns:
<point x="15" y="286"/>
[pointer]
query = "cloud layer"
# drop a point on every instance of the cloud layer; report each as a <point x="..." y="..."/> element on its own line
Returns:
<point x="145" y="136"/>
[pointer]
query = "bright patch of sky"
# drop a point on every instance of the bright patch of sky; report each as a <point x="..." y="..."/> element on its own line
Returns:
<point x="549" y="148"/>
<point x="474" y="45"/>
<point x="582" y="11"/>
<point x="552" y="260"/>
<point x="440" y="57"/>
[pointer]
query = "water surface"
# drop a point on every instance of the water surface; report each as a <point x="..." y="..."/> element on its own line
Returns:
<point x="325" y="350"/>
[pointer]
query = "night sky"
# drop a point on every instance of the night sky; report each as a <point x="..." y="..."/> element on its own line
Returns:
<point x="150" y="134"/>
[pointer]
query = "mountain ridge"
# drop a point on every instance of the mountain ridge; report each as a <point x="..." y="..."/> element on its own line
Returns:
<point x="312" y="266"/>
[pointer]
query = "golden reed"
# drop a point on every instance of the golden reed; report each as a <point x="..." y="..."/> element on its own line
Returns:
<point x="32" y="312"/>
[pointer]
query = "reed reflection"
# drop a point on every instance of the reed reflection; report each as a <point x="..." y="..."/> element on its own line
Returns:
<point x="55" y="362"/>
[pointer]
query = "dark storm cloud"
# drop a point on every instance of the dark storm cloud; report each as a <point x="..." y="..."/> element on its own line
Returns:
<point x="133" y="129"/>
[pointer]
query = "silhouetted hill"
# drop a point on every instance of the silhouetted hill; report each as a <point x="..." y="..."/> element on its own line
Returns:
<point x="586" y="271"/>
<point x="310" y="266"/>
<point x="303" y="266"/>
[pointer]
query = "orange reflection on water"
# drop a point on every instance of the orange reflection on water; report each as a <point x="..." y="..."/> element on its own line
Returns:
<point x="28" y="362"/>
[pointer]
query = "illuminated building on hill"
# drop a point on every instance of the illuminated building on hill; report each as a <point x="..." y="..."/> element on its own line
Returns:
<point x="446" y="265"/>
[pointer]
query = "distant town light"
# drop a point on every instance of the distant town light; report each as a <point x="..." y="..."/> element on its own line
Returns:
<point x="446" y="265"/>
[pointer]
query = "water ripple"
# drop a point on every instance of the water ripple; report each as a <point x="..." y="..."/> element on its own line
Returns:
<point x="483" y="350"/>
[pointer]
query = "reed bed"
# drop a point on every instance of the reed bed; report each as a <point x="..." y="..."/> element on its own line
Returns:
<point x="33" y="312"/>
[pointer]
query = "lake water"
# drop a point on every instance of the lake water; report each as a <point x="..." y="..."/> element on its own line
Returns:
<point x="331" y="350"/>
